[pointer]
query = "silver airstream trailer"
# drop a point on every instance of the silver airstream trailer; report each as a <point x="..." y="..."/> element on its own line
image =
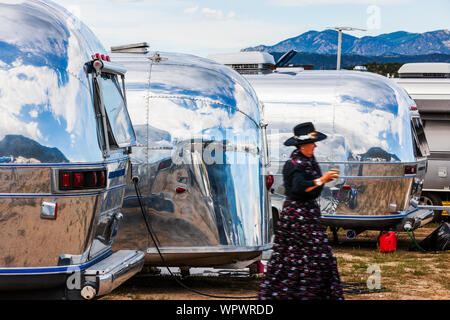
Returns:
<point x="200" y="160"/>
<point x="375" y="139"/>
<point x="65" y="137"/>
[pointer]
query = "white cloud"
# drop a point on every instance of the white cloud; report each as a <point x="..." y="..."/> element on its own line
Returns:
<point x="191" y="10"/>
<point x="231" y="15"/>
<point x="212" y="13"/>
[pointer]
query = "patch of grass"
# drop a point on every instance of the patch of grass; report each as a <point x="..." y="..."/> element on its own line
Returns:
<point x="360" y="265"/>
<point x="419" y="273"/>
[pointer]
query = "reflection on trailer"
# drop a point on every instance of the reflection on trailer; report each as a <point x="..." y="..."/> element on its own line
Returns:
<point x="374" y="137"/>
<point x="429" y="85"/>
<point x="199" y="160"/>
<point x="62" y="167"/>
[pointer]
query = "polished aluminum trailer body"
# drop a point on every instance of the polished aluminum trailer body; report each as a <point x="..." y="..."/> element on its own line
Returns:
<point x="51" y="131"/>
<point x="199" y="159"/>
<point x="374" y="139"/>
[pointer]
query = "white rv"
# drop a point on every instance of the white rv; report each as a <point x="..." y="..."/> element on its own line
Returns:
<point x="429" y="85"/>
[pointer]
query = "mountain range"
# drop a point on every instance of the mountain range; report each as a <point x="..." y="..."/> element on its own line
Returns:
<point x="390" y="44"/>
<point x="20" y="146"/>
<point x="328" y="61"/>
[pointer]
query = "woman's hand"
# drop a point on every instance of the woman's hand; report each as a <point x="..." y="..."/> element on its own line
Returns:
<point x="329" y="176"/>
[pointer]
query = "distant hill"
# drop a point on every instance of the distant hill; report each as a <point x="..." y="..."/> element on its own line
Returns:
<point x="328" y="61"/>
<point x="20" y="146"/>
<point x="396" y="43"/>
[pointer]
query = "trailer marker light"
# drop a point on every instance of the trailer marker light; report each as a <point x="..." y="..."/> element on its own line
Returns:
<point x="411" y="169"/>
<point x="101" y="57"/>
<point x="269" y="181"/>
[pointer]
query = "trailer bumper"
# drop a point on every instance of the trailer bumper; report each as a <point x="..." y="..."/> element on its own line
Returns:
<point x="416" y="219"/>
<point x="103" y="277"/>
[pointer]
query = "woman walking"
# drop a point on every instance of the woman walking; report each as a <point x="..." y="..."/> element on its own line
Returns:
<point x="302" y="265"/>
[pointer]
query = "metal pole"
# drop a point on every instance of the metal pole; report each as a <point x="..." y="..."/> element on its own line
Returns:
<point x="339" y="29"/>
<point x="339" y="50"/>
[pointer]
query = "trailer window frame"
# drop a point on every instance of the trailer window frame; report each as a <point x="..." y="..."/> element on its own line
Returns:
<point x="107" y="134"/>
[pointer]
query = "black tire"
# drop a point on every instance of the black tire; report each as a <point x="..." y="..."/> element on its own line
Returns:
<point x="432" y="199"/>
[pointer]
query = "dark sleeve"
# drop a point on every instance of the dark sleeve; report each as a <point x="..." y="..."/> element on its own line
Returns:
<point x="299" y="182"/>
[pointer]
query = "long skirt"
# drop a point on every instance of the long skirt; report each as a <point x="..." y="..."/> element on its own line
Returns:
<point x="302" y="265"/>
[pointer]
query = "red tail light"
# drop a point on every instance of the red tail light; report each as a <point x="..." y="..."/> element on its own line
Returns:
<point x="269" y="181"/>
<point x="66" y="180"/>
<point x="180" y="190"/>
<point x="102" y="178"/>
<point x="165" y="164"/>
<point x="346" y="187"/>
<point x="411" y="169"/>
<point x="95" y="178"/>
<point x="413" y="108"/>
<point x="82" y="179"/>
<point x="78" y="180"/>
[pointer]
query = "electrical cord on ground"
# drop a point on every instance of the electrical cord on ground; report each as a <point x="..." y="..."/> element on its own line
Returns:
<point x="156" y="241"/>
<point x="415" y="242"/>
<point x="358" y="288"/>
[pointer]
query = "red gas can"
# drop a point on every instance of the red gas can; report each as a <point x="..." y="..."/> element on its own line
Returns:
<point x="388" y="242"/>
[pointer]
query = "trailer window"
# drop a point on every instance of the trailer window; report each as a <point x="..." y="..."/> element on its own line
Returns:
<point x="437" y="133"/>
<point x="118" y="121"/>
<point x="420" y="140"/>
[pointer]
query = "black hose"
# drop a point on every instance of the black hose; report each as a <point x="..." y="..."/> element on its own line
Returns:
<point x="156" y="241"/>
<point x="358" y="288"/>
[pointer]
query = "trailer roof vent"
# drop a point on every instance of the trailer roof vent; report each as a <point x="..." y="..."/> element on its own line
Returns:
<point x="425" y="70"/>
<point x="252" y="62"/>
<point x="142" y="47"/>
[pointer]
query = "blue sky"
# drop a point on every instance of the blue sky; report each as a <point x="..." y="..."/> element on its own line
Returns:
<point x="204" y="27"/>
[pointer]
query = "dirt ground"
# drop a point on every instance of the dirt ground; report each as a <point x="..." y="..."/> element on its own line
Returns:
<point x="402" y="275"/>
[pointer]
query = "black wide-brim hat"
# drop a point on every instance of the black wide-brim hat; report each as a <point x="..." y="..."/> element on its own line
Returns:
<point x="305" y="133"/>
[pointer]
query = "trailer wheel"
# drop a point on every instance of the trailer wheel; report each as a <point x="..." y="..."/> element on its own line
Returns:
<point x="432" y="199"/>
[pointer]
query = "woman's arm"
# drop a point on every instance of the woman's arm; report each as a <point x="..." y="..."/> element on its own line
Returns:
<point x="300" y="184"/>
<point x="327" y="177"/>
